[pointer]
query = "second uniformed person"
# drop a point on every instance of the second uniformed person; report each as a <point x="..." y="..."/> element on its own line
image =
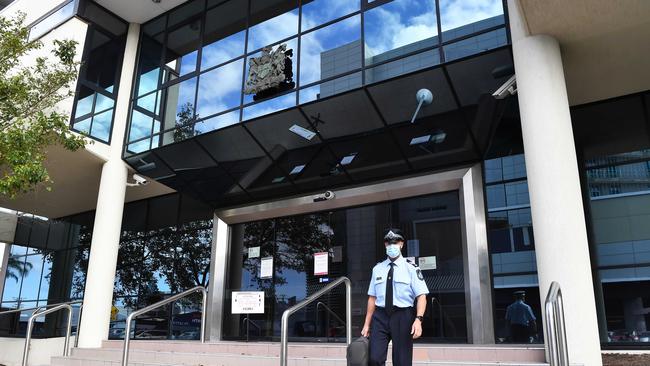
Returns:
<point x="395" y="285"/>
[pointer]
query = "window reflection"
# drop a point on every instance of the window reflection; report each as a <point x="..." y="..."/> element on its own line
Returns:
<point x="399" y="27"/>
<point x="270" y="106"/>
<point x="272" y="30"/>
<point x="317" y="12"/>
<point x="330" y="51"/>
<point x="459" y="17"/>
<point x="218" y="122"/>
<point x="181" y="52"/>
<point x="225" y="33"/>
<point x="220" y="89"/>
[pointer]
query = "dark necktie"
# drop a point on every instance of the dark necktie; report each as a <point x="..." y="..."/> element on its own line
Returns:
<point x="389" y="290"/>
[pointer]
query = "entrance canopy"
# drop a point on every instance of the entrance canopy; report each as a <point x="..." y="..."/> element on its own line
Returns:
<point x="358" y="136"/>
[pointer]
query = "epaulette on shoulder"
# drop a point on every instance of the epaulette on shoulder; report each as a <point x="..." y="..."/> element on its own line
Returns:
<point x="411" y="263"/>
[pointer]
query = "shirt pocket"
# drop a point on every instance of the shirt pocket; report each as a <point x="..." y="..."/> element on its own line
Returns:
<point x="403" y="284"/>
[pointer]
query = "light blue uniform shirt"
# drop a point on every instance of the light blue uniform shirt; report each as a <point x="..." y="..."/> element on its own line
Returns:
<point x="519" y="313"/>
<point x="408" y="283"/>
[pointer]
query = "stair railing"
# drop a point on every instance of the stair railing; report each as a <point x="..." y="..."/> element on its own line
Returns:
<point x="171" y="299"/>
<point x="327" y="321"/>
<point x="44" y="310"/>
<point x="557" y="353"/>
<point x="287" y="313"/>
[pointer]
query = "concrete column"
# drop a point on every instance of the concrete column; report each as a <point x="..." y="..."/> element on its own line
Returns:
<point x="5" y="250"/>
<point x="554" y="185"/>
<point x="98" y="295"/>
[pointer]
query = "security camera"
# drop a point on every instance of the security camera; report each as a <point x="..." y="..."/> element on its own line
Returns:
<point x="507" y="89"/>
<point x="327" y="195"/>
<point x="139" y="181"/>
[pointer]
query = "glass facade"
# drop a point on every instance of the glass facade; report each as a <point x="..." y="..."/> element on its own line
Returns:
<point x="47" y="265"/>
<point x="351" y="237"/>
<point x="194" y="61"/>
<point x="98" y="81"/>
<point x="164" y="248"/>
<point x="613" y="140"/>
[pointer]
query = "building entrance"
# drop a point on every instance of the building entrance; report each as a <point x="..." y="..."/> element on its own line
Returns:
<point x="287" y="255"/>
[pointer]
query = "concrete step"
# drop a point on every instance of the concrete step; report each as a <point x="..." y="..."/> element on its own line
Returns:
<point x="257" y="354"/>
<point x="243" y="360"/>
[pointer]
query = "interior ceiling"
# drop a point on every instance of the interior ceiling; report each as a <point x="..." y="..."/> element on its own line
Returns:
<point x="76" y="177"/>
<point x="604" y="44"/>
<point x="362" y="135"/>
<point x="139" y="11"/>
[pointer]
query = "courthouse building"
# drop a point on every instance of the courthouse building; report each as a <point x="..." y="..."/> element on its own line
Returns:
<point x="237" y="142"/>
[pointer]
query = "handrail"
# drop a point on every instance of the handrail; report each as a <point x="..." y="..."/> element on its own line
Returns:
<point x="330" y="312"/>
<point x="30" y="328"/>
<point x="287" y="313"/>
<point x="557" y="353"/>
<point x="248" y="322"/>
<point x="171" y="299"/>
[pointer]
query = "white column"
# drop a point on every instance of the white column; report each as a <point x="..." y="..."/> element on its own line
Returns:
<point x="5" y="250"/>
<point x="8" y="221"/>
<point x="555" y="197"/>
<point x="104" y="247"/>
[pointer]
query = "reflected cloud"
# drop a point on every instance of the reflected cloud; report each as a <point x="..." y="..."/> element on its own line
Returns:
<point x="220" y="89"/>
<point x="456" y="13"/>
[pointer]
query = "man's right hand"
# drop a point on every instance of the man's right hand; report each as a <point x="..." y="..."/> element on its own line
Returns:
<point x="365" y="331"/>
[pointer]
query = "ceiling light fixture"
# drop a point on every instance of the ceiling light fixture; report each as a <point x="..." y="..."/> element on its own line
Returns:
<point x="348" y="159"/>
<point x="302" y="132"/>
<point x="297" y="169"/>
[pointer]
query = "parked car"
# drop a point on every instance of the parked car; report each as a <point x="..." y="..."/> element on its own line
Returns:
<point x="190" y="334"/>
<point x="622" y="335"/>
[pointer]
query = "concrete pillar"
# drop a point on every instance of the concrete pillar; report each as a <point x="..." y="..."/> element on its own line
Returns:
<point x="98" y="295"/>
<point x="554" y="185"/>
<point x="5" y="251"/>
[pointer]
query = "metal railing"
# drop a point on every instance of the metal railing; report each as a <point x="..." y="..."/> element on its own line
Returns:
<point x="287" y="313"/>
<point x="327" y="321"/>
<point x="557" y="353"/>
<point x="44" y="310"/>
<point x="30" y="328"/>
<point x="248" y="323"/>
<point x="171" y="299"/>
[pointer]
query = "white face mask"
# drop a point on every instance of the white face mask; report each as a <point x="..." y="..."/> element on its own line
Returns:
<point x="393" y="250"/>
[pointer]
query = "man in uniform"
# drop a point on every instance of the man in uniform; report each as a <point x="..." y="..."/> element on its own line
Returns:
<point x="395" y="285"/>
<point x="520" y="318"/>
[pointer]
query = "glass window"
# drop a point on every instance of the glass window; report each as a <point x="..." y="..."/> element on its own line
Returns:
<point x="31" y="277"/>
<point x="85" y="99"/>
<point x="474" y="45"/>
<point x="270" y="106"/>
<point x="459" y="17"/>
<point x="281" y="26"/>
<point x="181" y="51"/>
<point x="102" y="124"/>
<point x="185" y="12"/>
<point x="218" y="122"/>
<point x="83" y="126"/>
<point x="150" y="102"/>
<point x="220" y="89"/>
<point x="225" y="33"/>
<point x="149" y="64"/>
<point x="52" y="21"/>
<point x="330" y="51"/>
<point x="399" y="27"/>
<point x="317" y="12"/>
<point x="15" y="268"/>
<point x="141" y="126"/>
<point x="179" y="104"/>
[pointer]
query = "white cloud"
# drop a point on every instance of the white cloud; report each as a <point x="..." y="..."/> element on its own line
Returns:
<point x="456" y="13"/>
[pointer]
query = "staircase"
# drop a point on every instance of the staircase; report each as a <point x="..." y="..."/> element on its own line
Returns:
<point x="192" y="353"/>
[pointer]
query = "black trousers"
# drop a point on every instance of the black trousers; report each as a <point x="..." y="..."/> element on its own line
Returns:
<point x="519" y="333"/>
<point x="395" y="327"/>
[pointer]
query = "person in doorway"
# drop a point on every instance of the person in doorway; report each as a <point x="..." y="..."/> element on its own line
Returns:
<point x="520" y="318"/>
<point x="394" y="287"/>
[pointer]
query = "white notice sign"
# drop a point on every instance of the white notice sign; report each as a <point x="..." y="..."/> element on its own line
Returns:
<point x="248" y="302"/>
<point x="253" y="252"/>
<point x="320" y="263"/>
<point x="428" y="263"/>
<point x="266" y="267"/>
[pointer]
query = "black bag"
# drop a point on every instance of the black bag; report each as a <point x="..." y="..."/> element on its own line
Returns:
<point x="358" y="353"/>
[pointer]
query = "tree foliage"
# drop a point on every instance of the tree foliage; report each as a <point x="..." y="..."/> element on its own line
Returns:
<point x="29" y="121"/>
